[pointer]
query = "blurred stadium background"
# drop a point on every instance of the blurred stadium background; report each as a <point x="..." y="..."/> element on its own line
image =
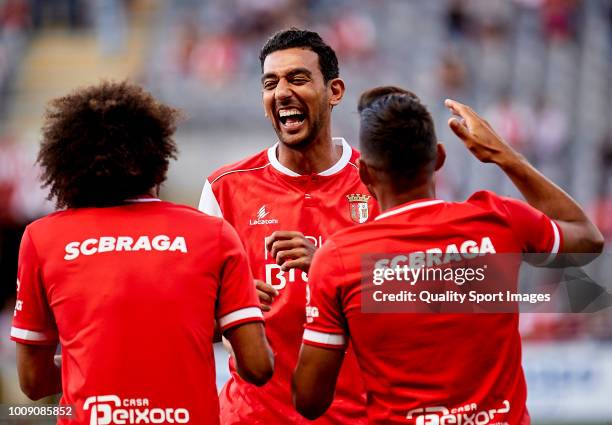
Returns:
<point x="539" y="70"/>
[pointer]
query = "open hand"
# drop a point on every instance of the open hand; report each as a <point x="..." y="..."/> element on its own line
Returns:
<point x="477" y="134"/>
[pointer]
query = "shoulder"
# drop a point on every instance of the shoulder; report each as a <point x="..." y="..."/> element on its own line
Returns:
<point x="252" y="164"/>
<point x="495" y="203"/>
<point x="187" y="211"/>
<point x="352" y="236"/>
<point x="487" y="200"/>
<point x="50" y="221"/>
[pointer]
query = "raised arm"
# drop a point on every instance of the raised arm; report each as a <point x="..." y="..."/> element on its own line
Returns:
<point x="580" y="235"/>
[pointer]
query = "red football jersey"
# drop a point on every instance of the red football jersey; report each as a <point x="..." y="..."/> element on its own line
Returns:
<point x="258" y="196"/>
<point x="132" y="293"/>
<point x="429" y="368"/>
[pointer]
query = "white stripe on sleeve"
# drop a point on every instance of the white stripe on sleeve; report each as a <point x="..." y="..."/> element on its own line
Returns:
<point x="238" y="315"/>
<point x="27" y="335"/>
<point x="324" y="338"/>
<point x="556" y="244"/>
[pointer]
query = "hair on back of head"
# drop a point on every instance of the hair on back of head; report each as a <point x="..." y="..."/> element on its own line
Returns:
<point x="397" y="134"/>
<point x="297" y="38"/>
<point x="371" y="95"/>
<point x="104" y="144"/>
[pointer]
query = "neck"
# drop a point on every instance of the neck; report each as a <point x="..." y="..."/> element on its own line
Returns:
<point x="317" y="156"/>
<point x="153" y="192"/>
<point x="388" y="199"/>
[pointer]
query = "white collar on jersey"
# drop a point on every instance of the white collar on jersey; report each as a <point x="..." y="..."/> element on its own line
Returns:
<point x="408" y="208"/>
<point x="338" y="166"/>
<point x="143" y="200"/>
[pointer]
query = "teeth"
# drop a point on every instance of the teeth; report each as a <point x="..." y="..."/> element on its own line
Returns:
<point x="288" y="112"/>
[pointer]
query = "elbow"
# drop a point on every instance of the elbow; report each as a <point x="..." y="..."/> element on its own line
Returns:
<point x="594" y="239"/>
<point x="311" y="409"/>
<point x="31" y="390"/>
<point x="310" y="412"/>
<point x="598" y="243"/>
<point x="261" y="373"/>
<point x="309" y="403"/>
<point x="259" y="377"/>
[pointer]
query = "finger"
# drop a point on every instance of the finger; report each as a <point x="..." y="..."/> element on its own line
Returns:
<point x="301" y="263"/>
<point x="265" y="307"/>
<point x="266" y="288"/>
<point x="459" y="129"/>
<point x="292" y="254"/>
<point x="462" y="110"/>
<point x="264" y="297"/>
<point x="281" y="235"/>
<point x="450" y="104"/>
<point x="286" y="245"/>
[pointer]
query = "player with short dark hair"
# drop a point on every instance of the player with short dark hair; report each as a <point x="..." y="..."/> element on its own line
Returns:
<point x="129" y="285"/>
<point x="429" y="367"/>
<point x="284" y="202"/>
<point x="303" y="39"/>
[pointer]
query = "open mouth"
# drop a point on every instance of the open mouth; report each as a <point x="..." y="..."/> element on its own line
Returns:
<point x="291" y="117"/>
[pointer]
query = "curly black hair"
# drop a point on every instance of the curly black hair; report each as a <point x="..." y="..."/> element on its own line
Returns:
<point x="297" y="38"/>
<point x="104" y="144"/>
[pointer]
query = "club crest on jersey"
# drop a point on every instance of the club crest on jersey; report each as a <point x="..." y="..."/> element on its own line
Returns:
<point x="358" y="207"/>
<point x="260" y="217"/>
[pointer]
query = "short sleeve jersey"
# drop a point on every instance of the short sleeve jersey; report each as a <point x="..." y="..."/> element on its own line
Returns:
<point x="132" y="293"/>
<point x="259" y="196"/>
<point x="427" y="367"/>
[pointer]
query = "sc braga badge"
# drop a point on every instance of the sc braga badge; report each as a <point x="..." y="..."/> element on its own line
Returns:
<point x="358" y="207"/>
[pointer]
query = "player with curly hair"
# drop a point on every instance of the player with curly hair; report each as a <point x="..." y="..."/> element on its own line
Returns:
<point x="129" y="285"/>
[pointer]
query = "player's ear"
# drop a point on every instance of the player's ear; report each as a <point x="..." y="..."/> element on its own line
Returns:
<point x="337" y="88"/>
<point x="365" y="172"/>
<point x="441" y="156"/>
<point x="367" y="176"/>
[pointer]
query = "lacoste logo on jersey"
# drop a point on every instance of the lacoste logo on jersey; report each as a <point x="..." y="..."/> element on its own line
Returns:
<point x="262" y="213"/>
<point x="358" y="207"/>
<point x="260" y="217"/>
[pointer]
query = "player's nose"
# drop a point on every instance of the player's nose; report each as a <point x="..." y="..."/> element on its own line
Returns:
<point x="282" y="91"/>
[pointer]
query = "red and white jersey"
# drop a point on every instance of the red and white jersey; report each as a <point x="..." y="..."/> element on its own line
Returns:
<point x="429" y="368"/>
<point x="259" y="196"/>
<point x="132" y="293"/>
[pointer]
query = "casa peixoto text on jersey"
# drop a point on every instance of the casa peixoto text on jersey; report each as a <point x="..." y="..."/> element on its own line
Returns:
<point x="104" y="244"/>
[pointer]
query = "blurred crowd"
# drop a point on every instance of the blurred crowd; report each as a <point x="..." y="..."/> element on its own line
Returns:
<point x="539" y="70"/>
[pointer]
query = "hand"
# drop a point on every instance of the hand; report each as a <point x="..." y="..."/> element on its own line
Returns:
<point x="266" y="294"/>
<point x="291" y="250"/>
<point x="478" y="135"/>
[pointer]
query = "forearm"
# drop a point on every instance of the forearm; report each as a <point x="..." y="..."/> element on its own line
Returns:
<point x="579" y="234"/>
<point x="39" y="375"/>
<point x="314" y="380"/>
<point x="43" y="383"/>
<point x="539" y="191"/>
<point x="52" y="383"/>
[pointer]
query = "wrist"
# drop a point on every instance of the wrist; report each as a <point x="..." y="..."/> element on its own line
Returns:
<point x="510" y="161"/>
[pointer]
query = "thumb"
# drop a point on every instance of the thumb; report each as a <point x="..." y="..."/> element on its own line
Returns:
<point x="458" y="128"/>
